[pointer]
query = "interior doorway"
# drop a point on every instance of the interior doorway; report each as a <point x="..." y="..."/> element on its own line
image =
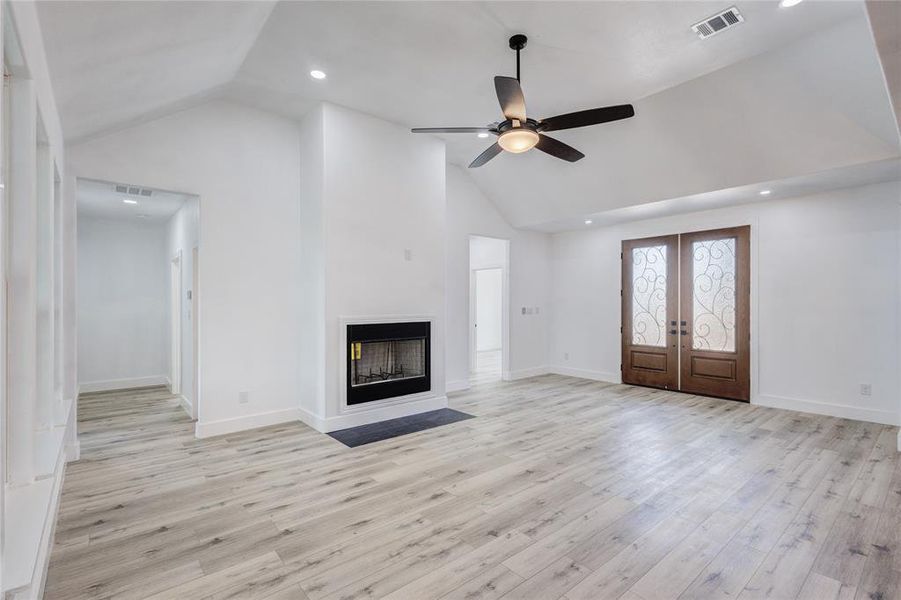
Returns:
<point x="137" y="251"/>
<point x="686" y="312"/>
<point x="488" y="285"/>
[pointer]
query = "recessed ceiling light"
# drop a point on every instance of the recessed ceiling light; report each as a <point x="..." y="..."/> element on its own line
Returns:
<point x="483" y="135"/>
<point x="129" y="201"/>
<point x="789" y="3"/>
<point x="317" y="74"/>
<point x="765" y="192"/>
<point x="588" y="221"/>
<point x="143" y="216"/>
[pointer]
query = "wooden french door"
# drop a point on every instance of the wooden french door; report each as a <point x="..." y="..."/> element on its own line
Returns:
<point x="686" y="312"/>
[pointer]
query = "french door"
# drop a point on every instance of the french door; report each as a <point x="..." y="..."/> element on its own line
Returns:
<point x="686" y="312"/>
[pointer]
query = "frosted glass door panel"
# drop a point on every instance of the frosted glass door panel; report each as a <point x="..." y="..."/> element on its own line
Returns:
<point x="649" y="296"/>
<point x="713" y="281"/>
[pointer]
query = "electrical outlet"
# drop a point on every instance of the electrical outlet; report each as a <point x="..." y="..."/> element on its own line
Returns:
<point x="866" y="389"/>
<point x="408" y="254"/>
<point x="243" y="397"/>
<point x="566" y="356"/>
<point x="523" y="310"/>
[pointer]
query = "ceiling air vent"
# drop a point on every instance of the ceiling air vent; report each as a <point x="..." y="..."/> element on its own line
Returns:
<point x="133" y="190"/>
<point x="717" y="23"/>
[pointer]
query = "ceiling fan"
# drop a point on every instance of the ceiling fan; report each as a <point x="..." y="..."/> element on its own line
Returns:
<point x="518" y="133"/>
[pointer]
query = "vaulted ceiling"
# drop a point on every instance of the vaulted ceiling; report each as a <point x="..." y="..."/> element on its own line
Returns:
<point x="788" y="93"/>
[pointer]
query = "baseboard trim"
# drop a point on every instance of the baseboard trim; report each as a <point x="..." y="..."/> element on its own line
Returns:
<point x="461" y="385"/>
<point x="524" y="373"/>
<point x="312" y="420"/>
<point x="33" y="573"/>
<point x="121" y="384"/>
<point x="73" y="451"/>
<point x="224" y="426"/>
<point x="586" y="374"/>
<point x="383" y="413"/>
<point x="186" y="405"/>
<point x="857" y="413"/>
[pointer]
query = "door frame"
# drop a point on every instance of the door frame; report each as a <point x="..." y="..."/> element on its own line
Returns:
<point x="175" y="310"/>
<point x="505" y="305"/>
<point x="749" y="295"/>
<point x="195" y="330"/>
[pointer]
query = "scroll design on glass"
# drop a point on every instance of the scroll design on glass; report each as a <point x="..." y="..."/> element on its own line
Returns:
<point x="713" y="310"/>
<point x="649" y="296"/>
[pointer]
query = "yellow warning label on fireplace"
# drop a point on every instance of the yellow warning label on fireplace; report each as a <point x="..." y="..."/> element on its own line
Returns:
<point x="356" y="349"/>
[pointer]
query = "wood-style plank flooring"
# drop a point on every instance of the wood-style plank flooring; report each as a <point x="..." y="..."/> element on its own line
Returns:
<point x="560" y="488"/>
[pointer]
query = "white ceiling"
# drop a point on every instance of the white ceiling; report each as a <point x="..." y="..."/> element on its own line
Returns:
<point x="114" y="63"/>
<point x="100" y="200"/>
<point x="432" y="63"/>
<point x="792" y="187"/>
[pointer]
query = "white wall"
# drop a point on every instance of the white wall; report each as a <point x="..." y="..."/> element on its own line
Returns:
<point x="487" y="252"/>
<point x="824" y="298"/>
<point x="243" y="164"/>
<point x="469" y="212"/>
<point x="373" y="194"/>
<point x="182" y="236"/>
<point x="123" y="323"/>
<point x="489" y="309"/>
<point x="42" y="419"/>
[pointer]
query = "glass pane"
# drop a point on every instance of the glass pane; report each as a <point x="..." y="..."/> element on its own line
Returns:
<point x="376" y="362"/>
<point x="713" y="286"/>
<point x="649" y="296"/>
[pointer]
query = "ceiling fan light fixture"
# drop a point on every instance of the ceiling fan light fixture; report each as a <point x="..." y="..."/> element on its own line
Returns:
<point x="518" y="140"/>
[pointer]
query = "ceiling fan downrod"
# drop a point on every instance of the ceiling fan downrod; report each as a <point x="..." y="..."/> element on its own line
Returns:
<point x="518" y="42"/>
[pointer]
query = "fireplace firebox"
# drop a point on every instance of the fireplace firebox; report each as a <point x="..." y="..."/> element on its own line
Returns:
<point x="387" y="360"/>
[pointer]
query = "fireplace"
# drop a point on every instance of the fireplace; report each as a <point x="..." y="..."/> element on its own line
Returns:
<point x="387" y="360"/>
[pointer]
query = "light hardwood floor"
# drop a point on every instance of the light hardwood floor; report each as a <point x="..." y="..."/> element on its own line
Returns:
<point x="559" y="488"/>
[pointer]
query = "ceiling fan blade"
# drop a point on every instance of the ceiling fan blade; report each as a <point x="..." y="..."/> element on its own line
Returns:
<point x="509" y="94"/>
<point x="492" y="151"/>
<point x="451" y="130"/>
<point x="558" y="148"/>
<point x="583" y="118"/>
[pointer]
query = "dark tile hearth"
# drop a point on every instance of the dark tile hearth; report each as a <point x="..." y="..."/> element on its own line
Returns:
<point x="376" y="432"/>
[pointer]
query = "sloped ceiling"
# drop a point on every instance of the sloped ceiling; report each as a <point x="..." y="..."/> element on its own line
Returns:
<point x="787" y="93"/>
<point x="115" y="63"/>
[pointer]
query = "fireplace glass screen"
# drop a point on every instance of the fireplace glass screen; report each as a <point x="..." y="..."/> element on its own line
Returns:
<point x="387" y="360"/>
<point x="376" y="362"/>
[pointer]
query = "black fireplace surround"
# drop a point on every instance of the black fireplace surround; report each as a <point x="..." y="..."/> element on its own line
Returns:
<point x="386" y="360"/>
